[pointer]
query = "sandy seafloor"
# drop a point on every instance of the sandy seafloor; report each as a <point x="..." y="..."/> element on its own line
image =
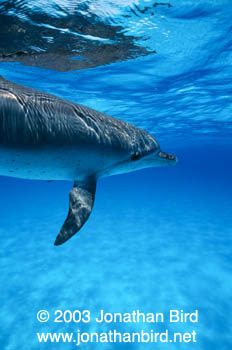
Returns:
<point x="158" y="239"/>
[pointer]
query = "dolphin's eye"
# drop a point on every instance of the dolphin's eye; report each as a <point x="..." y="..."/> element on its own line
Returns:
<point x="135" y="156"/>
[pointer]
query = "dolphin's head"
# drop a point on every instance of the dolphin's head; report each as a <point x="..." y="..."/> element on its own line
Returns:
<point x="144" y="152"/>
<point x="147" y="153"/>
<point x="151" y="159"/>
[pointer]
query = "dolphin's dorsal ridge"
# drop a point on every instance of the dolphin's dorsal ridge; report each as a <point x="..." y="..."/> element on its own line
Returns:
<point x="81" y="200"/>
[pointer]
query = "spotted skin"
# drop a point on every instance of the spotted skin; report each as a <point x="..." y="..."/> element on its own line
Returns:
<point x="45" y="137"/>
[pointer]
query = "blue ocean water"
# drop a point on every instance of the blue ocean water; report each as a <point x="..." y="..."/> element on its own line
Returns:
<point x="157" y="239"/>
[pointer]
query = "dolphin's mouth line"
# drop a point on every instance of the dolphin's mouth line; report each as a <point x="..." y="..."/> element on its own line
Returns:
<point x="167" y="156"/>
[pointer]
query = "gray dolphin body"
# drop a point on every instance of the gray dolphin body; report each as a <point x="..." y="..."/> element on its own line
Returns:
<point x="48" y="138"/>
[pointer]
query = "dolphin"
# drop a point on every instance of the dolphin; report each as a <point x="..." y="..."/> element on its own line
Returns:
<point x="48" y="138"/>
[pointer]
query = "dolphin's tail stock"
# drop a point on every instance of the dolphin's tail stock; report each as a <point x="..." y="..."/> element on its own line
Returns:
<point x="81" y="201"/>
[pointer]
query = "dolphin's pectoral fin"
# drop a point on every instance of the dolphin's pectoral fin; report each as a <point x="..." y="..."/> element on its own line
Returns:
<point x="81" y="200"/>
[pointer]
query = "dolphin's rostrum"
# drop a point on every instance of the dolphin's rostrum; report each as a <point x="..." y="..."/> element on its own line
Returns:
<point x="45" y="137"/>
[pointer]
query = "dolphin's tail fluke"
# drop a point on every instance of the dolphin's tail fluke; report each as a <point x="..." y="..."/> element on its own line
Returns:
<point x="81" y="200"/>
